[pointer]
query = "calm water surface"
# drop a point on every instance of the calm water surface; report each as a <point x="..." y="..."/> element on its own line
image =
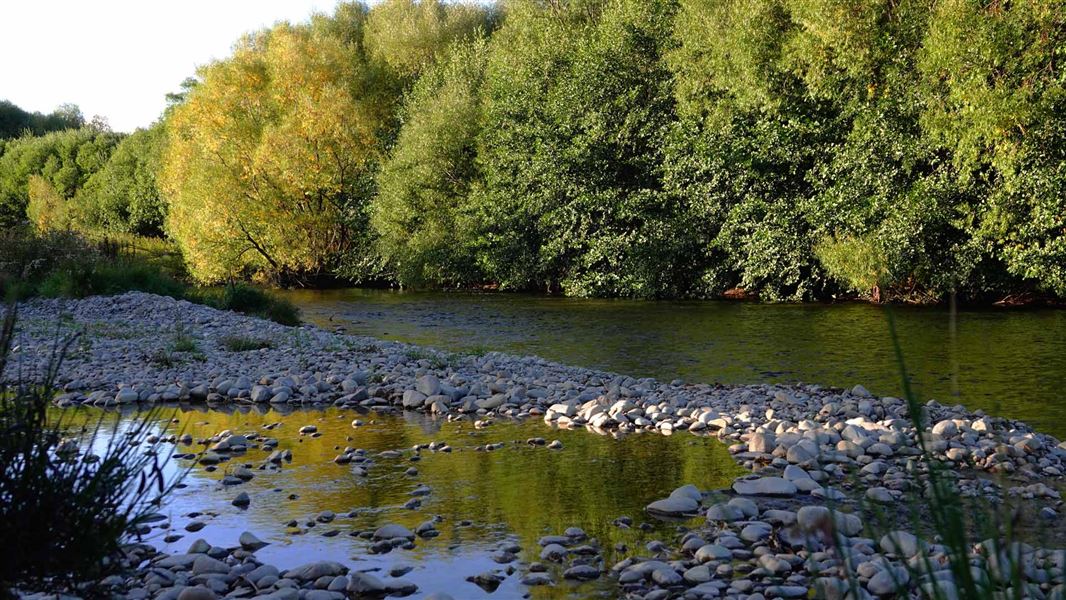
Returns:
<point x="514" y="494"/>
<point x="1007" y="362"/>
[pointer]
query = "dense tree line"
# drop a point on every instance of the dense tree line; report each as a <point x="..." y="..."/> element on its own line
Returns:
<point x="15" y="121"/>
<point x="793" y="149"/>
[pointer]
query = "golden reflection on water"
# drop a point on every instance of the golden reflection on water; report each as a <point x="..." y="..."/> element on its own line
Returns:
<point x="516" y="493"/>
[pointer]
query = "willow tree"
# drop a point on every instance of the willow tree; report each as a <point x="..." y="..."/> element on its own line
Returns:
<point x="422" y="213"/>
<point x="271" y="157"/>
<point x="408" y="35"/>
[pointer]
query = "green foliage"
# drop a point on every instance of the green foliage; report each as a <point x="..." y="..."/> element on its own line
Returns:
<point x="69" y="511"/>
<point x="16" y="122"/>
<point x="577" y="111"/>
<point x="855" y="261"/>
<point x="421" y="213"/>
<point x="46" y="209"/>
<point x="123" y="197"/>
<point x="270" y="158"/>
<point x="796" y="149"/>
<point x="407" y="35"/>
<point x="249" y="300"/>
<point x="63" y="159"/>
<point x="65" y="264"/>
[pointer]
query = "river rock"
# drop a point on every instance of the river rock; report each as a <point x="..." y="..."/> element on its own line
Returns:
<point x="197" y="592"/>
<point x="205" y="564"/>
<point x="364" y="584"/>
<point x="428" y="385"/>
<point x="314" y="570"/>
<point x="713" y="552"/>
<point x="249" y="542"/>
<point x="392" y="531"/>
<point x="900" y="542"/>
<point x="763" y="442"/>
<point x="765" y="486"/>
<point x="581" y="572"/>
<point x="413" y="399"/>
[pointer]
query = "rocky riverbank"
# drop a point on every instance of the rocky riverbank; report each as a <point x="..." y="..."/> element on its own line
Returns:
<point x="822" y="460"/>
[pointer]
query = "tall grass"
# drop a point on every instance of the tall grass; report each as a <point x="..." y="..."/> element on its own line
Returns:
<point x="967" y="548"/>
<point x="68" y="506"/>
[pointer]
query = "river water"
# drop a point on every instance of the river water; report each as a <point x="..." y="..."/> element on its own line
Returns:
<point x="514" y="494"/>
<point x="1007" y="362"/>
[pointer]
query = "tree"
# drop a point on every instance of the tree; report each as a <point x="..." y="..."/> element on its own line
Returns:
<point x="46" y="209"/>
<point x="270" y="161"/>
<point x="123" y="196"/>
<point x="422" y="212"/>
<point x="996" y="98"/>
<point x="407" y="35"/>
<point x="578" y="105"/>
<point x="15" y="121"/>
<point x="64" y="159"/>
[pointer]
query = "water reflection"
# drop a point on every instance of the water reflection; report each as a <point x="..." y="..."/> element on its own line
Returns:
<point x="516" y="493"/>
<point x="1007" y="362"/>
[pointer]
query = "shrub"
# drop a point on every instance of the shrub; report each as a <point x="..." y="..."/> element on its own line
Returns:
<point x="237" y="343"/>
<point x="26" y="259"/>
<point x="46" y="209"/>
<point x="855" y="262"/>
<point x="249" y="300"/>
<point x="68" y="513"/>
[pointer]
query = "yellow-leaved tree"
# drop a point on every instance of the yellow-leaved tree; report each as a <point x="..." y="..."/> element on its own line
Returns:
<point x="271" y="155"/>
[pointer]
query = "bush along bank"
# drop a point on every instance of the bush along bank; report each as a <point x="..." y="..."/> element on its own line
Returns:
<point x="66" y="264"/>
<point x="832" y="469"/>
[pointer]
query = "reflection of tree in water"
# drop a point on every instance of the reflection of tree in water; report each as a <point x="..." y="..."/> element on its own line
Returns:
<point x="525" y="490"/>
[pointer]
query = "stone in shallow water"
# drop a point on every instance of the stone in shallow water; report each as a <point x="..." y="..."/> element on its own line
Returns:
<point x="314" y="570"/>
<point x="391" y="531"/>
<point x="488" y="581"/>
<point x="364" y="583"/>
<point x="400" y="587"/>
<point x="684" y="500"/>
<point x="553" y="552"/>
<point x="533" y="579"/>
<point x="673" y="506"/>
<point x="249" y="542"/>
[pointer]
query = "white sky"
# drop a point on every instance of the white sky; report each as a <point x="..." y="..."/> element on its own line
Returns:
<point x="119" y="58"/>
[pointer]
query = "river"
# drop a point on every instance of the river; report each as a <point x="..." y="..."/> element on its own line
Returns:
<point x="1009" y="362"/>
